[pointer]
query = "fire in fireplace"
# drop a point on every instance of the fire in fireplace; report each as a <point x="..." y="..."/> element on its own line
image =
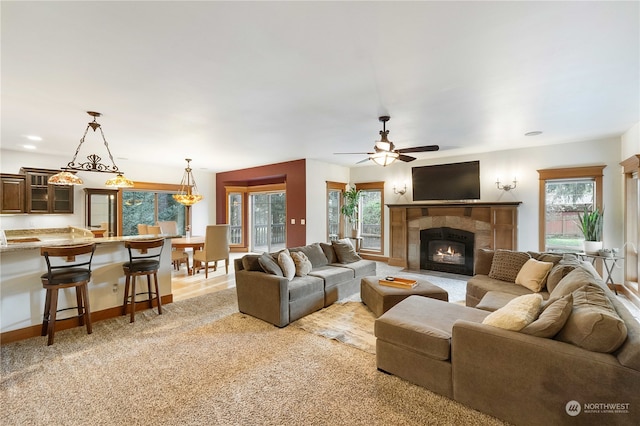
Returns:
<point x="447" y="250"/>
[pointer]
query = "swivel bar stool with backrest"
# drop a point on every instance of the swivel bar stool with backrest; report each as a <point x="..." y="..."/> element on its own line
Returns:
<point x="145" y="262"/>
<point x="71" y="273"/>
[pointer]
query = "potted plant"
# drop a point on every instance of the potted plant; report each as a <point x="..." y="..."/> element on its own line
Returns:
<point x="350" y="209"/>
<point x="590" y="223"/>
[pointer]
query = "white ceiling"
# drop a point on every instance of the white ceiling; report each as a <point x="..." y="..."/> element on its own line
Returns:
<point x="240" y="84"/>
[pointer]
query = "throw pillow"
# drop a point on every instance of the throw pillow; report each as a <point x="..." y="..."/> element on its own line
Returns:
<point x="286" y="264"/>
<point x="506" y="264"/>
<point x="345" y="252"/>
<point x="269" y="265"/>
<point x="516" y="314"/>
<point x="250" y="263"/>
<point x="314" y="253"/>
<point x="552" y="318"/>
<point x="482" y="262"/>
<point x="329" y="252"/>
<point x="571" y="282"/>
<point x="533" y="274"/>
<point x="302" y="262"/>
<point x="594" y="323"/>
<point x="557" y="273"/>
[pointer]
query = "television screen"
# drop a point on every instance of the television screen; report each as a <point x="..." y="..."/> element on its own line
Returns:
<point x="447" y="182"/>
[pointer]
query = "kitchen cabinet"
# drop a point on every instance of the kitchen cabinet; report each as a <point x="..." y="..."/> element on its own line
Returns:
<point x="12" y="193"/>
<point x="44" y="198"/>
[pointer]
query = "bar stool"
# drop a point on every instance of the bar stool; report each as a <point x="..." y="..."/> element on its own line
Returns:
<point x="146" y="262"/>
<point x="76" y="274"/>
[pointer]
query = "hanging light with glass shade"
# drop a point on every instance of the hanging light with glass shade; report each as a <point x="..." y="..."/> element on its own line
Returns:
<point x="66" y="177"/>
<point x="188" y="194"/>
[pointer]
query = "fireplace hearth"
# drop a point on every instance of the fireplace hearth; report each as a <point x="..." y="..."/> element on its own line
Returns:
<point x="447" y="250"/>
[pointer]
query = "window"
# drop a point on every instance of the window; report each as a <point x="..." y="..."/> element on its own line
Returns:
<point x="335" y="223"/>
<point x="148" y="204"/>
<point x="372" y="216"/>
<point x="563" y="194"/>
<point x="235" y="215"/>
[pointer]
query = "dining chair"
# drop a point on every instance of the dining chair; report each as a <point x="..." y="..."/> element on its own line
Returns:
<point x="72" y="271"/>
<point x="154" y="230"/>
<point x="142" y="229"/>
<point x="168" y="227"/>
<point x="216" y="247"/>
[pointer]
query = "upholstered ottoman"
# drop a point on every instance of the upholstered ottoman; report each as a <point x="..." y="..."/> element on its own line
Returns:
<point x="380" y="298"/>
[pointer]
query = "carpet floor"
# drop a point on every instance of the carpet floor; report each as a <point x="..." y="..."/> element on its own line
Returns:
<point x="204" y="363"/>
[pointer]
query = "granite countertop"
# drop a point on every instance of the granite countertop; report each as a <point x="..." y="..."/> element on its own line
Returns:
<point x="29" y="239"/>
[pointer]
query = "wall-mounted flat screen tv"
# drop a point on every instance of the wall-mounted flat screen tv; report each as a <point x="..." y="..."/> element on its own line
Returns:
<point x="447" y="182"/>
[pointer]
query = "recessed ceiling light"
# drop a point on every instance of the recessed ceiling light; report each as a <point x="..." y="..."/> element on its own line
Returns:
<point x="33" y="137"/>
<point x="533" y="133"/>
<point x="29" y="146"/>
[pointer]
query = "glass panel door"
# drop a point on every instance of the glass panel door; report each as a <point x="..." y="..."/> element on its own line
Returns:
<point x="268" y="227"/>
<point x="235" y="218"/>
<point x="333" y="213"/>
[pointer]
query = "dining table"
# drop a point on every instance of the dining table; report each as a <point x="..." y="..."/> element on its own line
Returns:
<point x="193" y="242"/>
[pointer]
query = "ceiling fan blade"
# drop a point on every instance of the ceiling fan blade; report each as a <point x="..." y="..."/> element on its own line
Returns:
<point x="363" y="161"/>
<point x="405" y="158"/>
<point x="425" y="148"/>
<point x="353" y="153"/>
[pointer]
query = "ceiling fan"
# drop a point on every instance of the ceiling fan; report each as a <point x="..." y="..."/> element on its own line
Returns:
<point x="384" y="152"/>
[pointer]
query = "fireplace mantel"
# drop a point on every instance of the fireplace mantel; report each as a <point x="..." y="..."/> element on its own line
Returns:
<point x="494" y="223"/>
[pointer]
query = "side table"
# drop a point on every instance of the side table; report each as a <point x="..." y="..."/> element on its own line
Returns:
<point x="609" y="263"/>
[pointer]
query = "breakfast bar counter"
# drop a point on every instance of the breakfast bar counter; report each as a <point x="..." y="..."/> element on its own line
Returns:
<point x="21" y="265"/>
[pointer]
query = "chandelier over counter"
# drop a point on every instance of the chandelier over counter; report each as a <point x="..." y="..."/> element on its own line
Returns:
<point x="92" y="165"/>
<point x="188" y="194"/>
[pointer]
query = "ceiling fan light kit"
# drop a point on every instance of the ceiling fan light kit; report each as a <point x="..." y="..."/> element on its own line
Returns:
<point x="385" y="152"/>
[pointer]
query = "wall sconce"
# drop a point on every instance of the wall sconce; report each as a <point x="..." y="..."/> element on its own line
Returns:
<point x="400" y="191"/>
<point x="507" y="187"/>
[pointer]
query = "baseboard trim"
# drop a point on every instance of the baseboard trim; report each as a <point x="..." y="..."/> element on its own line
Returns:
<point x="34" y="330"/>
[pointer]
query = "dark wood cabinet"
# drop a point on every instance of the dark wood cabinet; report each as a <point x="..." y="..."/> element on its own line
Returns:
<point x="44" y="198"/>
<point x="12" y="193"/>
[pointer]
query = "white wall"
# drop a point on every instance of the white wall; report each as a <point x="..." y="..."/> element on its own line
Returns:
<point x="631" y="142"/>
<point x="11" y="161"/>
<point x="523" y="163"/>
<point x="317" y="175"/>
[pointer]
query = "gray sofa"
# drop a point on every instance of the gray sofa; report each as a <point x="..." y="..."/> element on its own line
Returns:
<point x="277" y="300"/>
<point x="517" y="377"/>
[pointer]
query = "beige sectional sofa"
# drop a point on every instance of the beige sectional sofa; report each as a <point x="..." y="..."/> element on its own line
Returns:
<point x="588" y="372"/>
<point x="335" y="273"/>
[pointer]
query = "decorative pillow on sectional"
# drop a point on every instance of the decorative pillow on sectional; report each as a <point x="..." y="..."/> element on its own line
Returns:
<point x="314" y="253"/>
<point x="517" y="314"/>
<point x="329" y="252"/>
<point x="345" y="251"/>
<point x="552" y="318"/>
<point x="506" y="264"/>
<point x="482" y="262"/>
<point x="533" y="274"/>
<point x="557" y="273"/>
<point x="571" y="282"/>
<point x="269" y="265"/>
<point x="302" y="262"/>
<point x="250" y="263"/>
<point x="286" y="264"/>
<point x="594" y="323"/>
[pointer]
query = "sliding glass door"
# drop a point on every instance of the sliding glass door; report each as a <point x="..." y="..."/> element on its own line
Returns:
<point x="268" y="226"/>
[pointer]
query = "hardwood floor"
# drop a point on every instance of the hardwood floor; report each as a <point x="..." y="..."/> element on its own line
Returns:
<point x="184" y="286"/>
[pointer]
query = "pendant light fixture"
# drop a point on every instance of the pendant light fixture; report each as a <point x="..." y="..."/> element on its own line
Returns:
<point x="188" y="194"/>
<point x="92" y="165"/>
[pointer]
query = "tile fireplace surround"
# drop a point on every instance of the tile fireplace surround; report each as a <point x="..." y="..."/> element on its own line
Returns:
<point x="495" y="225"/>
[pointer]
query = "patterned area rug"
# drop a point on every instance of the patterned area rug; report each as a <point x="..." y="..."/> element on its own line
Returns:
<point x="348" y="321"/>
